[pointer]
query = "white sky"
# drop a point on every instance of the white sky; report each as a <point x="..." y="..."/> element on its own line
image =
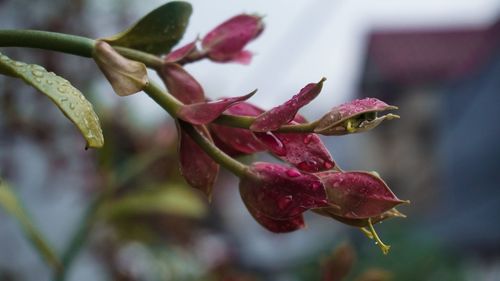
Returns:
<point x="305" y="40"/>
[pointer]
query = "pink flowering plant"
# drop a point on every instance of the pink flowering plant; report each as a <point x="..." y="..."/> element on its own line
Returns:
<point x="212" y="132"/>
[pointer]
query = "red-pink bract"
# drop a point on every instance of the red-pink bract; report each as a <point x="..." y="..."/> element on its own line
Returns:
<point x="197" y="167"/>
<point x="181" y="53"/>
<point x="280" y="192"/>
<point x="181" y="84"/>
<point x="358" y="195"/>
<point x="278" y="116"/>
<point x="277" y="226"/>
<point x="236" y="139"/>
<point x="227" y="41"/>
<point x="305" y="151"/>
<point x="206" y="112"/>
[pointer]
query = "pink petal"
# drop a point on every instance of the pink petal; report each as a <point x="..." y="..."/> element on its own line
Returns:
<point x="181" y="53"/>
<point x="280" y="192"/>
<point x="199" y="169"/>
<point x="236" y="139"/>
<point x="228" y="39"/>
<point x="280" y="115"/>
<point x="358" y="195"/>
<point x="206" y="112"/>
<point x="305" y="151"/>
<point x="181" y="84"/>
<point x="277" y="226"/>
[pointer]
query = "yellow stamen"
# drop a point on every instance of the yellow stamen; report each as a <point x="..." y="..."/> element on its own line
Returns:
<point x="385" y="248"/>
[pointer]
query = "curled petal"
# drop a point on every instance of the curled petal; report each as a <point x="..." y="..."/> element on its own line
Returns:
<point x="277" y="226"/>
<point x="206" y="112"/>
<point x="358" y="195"/>
<point x="280" y="192"/>
<point x="305" y="151"/>
<point x="226" y="42"/>
<point x="236" y="139"/>
<point x="181" y="53"/>
<point x="198" y="168"/>
<point x="353" y="117"/>
<point x="181" y="84"/>
<point x="280" y="115"/>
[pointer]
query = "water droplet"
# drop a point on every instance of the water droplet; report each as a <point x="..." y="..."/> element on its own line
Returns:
<point x="309" y="166"/>
<point x="63" y="99"/>
<point x="273" y="143"/>
<point x="308" y="138"/>
<point x="37" y="73"/>
<point x="293" y="173"/>
<point x="328" y="164"/>
<point x="315" y="185"/>
<point x="284" y="202"/>
<point x="4" y="58"/>
<point x="62" y="89"/>
<point x="19" y="64"/>
<point x="49" y="82"/>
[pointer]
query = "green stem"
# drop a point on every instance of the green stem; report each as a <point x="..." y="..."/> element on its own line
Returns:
<point x="82" y="46"/>
<point x="171" y="105"/>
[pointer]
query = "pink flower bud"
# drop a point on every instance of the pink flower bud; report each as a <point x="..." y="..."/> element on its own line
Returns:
<point x="354" y="117"/>
<point x="279" y="192"/>
<point x="280" y="115"/>
<point x="227" y="41"/>
<point x="357" y="195"/>
<point x="207" y="111"/>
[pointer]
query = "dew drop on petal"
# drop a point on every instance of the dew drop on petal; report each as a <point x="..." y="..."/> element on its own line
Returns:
<point x="293" y="173"/>
<point x="284" y="202"/>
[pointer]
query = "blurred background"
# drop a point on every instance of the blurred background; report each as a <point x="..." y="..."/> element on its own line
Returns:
<point x="438" y="60"/>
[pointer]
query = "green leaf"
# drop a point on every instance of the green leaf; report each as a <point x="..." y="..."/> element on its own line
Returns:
<point x="158" y="31"/>
<point x="167" y="200"/>
<point x="69" y="99"/>
<point x="11" y="204"/>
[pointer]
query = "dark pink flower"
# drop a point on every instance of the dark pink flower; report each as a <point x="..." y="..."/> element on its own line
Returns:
<point x="198" y="168"/>
<point x="207" y="111"/>
<point x="280" y="115"/>
<point x="227" y="41"/>
<point x="357" y="195"/>
<point x="353" y="117"/>
<point x="280" y="192"/>
<point x="181" y="84"/>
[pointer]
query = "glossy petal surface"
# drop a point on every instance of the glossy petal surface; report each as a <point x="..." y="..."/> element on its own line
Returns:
<point x="358" y="195"/>
<point x="280" y="115"/>
<point x="281" y="192"/>
<point x="305" y="151"/>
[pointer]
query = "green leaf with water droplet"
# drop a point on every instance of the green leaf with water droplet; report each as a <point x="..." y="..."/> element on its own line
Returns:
<point x="69" y="99"/>
<point x="11" y="204"/>
<point x="158" y="31"/>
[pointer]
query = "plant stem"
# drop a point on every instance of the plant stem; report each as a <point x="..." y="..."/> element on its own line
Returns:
<point x="171" y="105"/>
<point x="82" y="46"/>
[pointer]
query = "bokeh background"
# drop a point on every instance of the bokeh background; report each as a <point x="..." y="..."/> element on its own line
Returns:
<point x="438" y="60"/>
